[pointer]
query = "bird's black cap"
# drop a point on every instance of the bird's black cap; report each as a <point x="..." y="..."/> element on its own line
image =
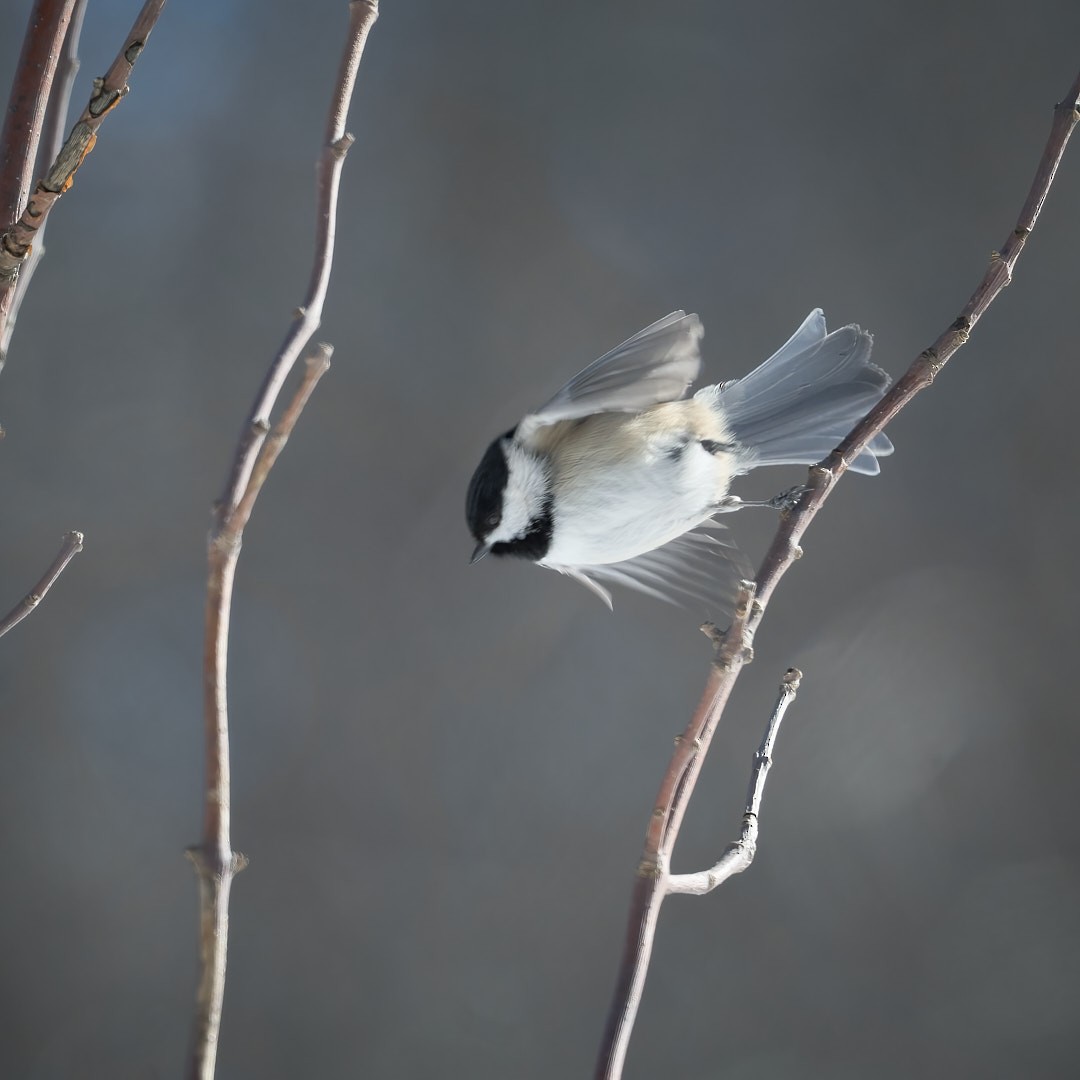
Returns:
<point x="483" y="503"/>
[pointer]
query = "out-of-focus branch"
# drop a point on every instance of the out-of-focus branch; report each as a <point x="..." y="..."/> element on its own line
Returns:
<point x="34" y="74"/>
<point x="52" y="130"/>
<point x="735" y="647"/>
<point x="52" y="139"/>
<point x="257" y="450"/>
<point x="16" y="241"/>
<point x="71" y="546"/>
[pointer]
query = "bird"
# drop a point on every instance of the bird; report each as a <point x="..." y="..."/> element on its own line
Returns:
<point x="620" y="477"/>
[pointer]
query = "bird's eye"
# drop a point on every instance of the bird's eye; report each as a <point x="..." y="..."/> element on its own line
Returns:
<point x="492" y="520"/>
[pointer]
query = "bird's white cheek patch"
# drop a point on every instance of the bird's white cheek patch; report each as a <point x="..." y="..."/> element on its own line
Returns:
<point x="525" y="495"/>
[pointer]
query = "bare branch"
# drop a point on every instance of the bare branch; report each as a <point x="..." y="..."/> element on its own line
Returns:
<point x="927" y="364"/>
<point x="688" y="746"/>
<point x="52" y="139"/>
<point x="71" y="546"/>
<point x="16" y="242"/>
<point x="734" y="648"/>
<point x="26" y="110"/>
<point x="215" y="861"/>
<point x="740" y="854"/>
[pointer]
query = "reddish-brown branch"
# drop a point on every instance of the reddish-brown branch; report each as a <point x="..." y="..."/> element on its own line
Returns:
<point x="26" y="109"/>
<point x="52" y="139"/>
<point x="688" y="747"/>
<point x="55" y="124"/>
<point x="16" y="241"/>
<point x="257" y="450"/>
<point x="735" y="647"/>
<point x="71" y="546"/>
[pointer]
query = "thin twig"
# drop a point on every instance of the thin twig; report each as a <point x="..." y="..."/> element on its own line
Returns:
<point x="16" y="242"/>
<point x="215" y="861"/>
<point x="740" y="854"/>
<point x="34" y="74"/>
<point x="735" y="646"/>
<point x="52" y="139"/>
<point x="307" y="318"/>
<point x="71" y="546"/>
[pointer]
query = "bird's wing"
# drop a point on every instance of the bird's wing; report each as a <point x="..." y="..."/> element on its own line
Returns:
<point x="701" y="568"/>
<point x="657" y="364"/>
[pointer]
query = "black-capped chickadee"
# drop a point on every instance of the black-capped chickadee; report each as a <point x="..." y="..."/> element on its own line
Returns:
<point x="619" y="475"/>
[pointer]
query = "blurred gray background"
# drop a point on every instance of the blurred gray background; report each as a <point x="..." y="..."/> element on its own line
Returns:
<point x="443" y="773"/>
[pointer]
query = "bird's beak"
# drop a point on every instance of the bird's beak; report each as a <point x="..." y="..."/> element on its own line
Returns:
<point x="479" y="551"/>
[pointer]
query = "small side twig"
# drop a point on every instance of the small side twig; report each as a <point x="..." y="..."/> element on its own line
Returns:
<point x="258" y="448"/>
<point x="71" y="546"/>
<point x="734" y="648"/>
<point x="52" y="139"/>
<point x="740" y="854"/>
<point x="16" y="242"/>
<point x="654" y="881"/>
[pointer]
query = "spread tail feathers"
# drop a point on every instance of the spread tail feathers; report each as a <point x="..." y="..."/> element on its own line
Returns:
<point x="799" y="404"/>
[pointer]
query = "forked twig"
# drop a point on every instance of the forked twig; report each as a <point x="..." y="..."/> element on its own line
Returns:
<point x="71" y="546"/>
<point x="337" y="141"/>
<point x="257" y="450"/>
<point x="735" y="647"/>
<point x="16" y="242"/>
<point x="215" y="861"/>
<point x="317" y="365"/>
